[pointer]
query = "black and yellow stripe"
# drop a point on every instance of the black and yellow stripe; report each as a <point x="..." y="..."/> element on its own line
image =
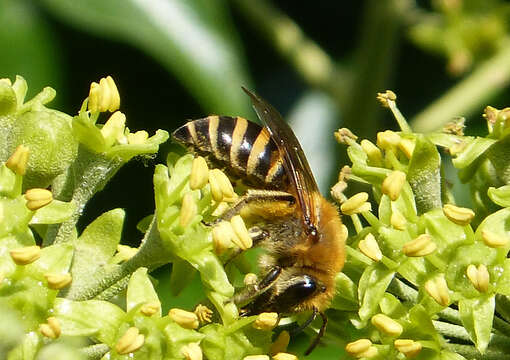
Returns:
<point x="240" y="144"/>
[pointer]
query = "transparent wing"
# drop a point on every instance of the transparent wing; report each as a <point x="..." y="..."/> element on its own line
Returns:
<point x="294" y="161"/>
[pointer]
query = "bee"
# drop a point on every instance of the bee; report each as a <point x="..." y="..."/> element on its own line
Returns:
<point x="300" y="230"/>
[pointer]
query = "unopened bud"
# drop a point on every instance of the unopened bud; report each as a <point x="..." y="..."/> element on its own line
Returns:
<point x="188" y="210"/>
<point x="387" y="325"/>
<point x="386" y="96"/>
<point x="186" y="319"/>
<point x="438" y="290"/>
<point x="58" y="281"/>
<point x="388" y="139"/>
<point x="131" y="341"/>
<point x="345" y="136"/>
<point x="103" y="96"/>
<point x="150" y="308"/>
<point x="421" y="246"/>
<point x="18" y="161"/>
<point x="203" y="313"/>
<point x="51" y="329"/>
<point x="479" y="277"/>
<point x="355" y="204"/>
<point x="199" y="173"/>
<point x="458" y="215"/>
<point x="494" y="240"/>
<point x="37" y="198"/>
<point x="137" y="138"/>
<point x="407" y="147"/>
<point x="398" y="221"/>
<point x="393" y="184"/>
<point x="266" y="321"/>
<point x="372" y="151"/>
<point x="284" y="356"/>
<point x="222" y="235"/>
<point x="370" y="248"/>
<point x="243" y="239"/>
<point x="25" y="255"/>
<point x="408" y="347"/>
<point x="280" y="344"/>
<point x="192" y="351"/>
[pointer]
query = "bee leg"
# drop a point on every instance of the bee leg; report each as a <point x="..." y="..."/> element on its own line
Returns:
<point x="255" y="196"/>
<point x="317" y="339"/>
<point x="253" y="291"/>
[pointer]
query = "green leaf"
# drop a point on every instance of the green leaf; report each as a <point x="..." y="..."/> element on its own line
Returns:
<point x="423" y="175"/>
<point x="371" y="288"/>
<point x="54" y="213"/>
<point x="207" y="59"/>
<point x="177" y="337"/>
<point x="500" y="196"/>
<point x="140" y="290"/>
<point x="476" y="316"/>
<point x="345" y="293"/>
<point x="95" y="247"/>
<point x="96" y="318"/>
<point x="182" y="275"/>
<point x="498" y="224"/>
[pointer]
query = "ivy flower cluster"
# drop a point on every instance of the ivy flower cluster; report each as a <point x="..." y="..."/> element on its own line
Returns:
<point x="426" y="277"/>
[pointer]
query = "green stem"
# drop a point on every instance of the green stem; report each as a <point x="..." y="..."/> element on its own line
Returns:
<point x="310" y="61"/>
<point x="470" y="352"/>
<point x="469" y="95"/>
<point x="95" y="352"/>
<point x="88" y="175"/>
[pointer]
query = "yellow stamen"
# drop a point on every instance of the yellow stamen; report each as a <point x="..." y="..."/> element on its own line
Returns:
<point x="38" y="198"/>
<point x="438" y="290"/>
<point x="131" y="341"/>
<point x="186" y="319"/>
<point x="18" y="161"/>
<point x="408" y="347"/>
<point x="355" y="204"/>
<point x="58" y="281"/>
<point x="370" y="248"/>
<point x="387" y="325"/>
<point x="421" y="246"/>
<point x="372" y="151"/>
<point x="393" y="184"/>
<point x="266" y="321"/>
<point x="494" y="240"/>
<point x="458" y="215"/>
<point x="280" y="344"/>
<point x="192" y="351"/>
<point x="25" y="255"/>
<point x="150" y="308"/>
<point x="479" y="277"/>
<point x="203" y="313"/>
<point x="243" y="239"/>
<point x="199" y="173"/>
<point x="188" y="210"/>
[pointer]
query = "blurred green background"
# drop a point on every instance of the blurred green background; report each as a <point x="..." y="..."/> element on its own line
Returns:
<point x="320" y="63"/>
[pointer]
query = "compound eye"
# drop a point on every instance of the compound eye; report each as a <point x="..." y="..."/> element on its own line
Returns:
<point x="299" y="289"/>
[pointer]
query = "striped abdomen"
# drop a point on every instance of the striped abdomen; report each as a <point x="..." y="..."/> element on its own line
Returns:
<point x="238" y="143"/>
